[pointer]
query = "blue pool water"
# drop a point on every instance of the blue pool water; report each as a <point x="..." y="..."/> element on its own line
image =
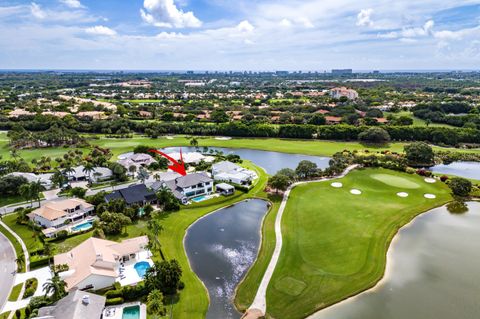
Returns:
<point x="131" y="312"/>
<point x="199" y="199"/>
<point x="141" y="268"/>
<point x="83" y="226"/>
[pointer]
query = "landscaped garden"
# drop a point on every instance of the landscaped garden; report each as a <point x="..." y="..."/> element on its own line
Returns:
<point x="335" y="240"/>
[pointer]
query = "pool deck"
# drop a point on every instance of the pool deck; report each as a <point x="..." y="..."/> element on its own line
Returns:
<point x="130" y="274"/>
<point x="116" y="312"/>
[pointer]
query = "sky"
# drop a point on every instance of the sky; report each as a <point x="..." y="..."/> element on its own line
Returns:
<point x="257" y="35"/>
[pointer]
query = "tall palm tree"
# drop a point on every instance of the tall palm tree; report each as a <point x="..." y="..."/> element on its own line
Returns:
<point x="26" y="192"/>
<point x="55" y="287"/>
<point x="194" y="142"/>
<point x="68" y="169"/>
<point x="155" y="229"/>
<point x="143" y="175"/>
<point x="35" y="189"/>
<point x="88" y="168"/>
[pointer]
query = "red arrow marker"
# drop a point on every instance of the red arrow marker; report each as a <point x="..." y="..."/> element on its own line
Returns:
<point x="176" y="166"/>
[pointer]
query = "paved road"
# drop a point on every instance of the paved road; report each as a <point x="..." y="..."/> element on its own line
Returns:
<point x="7" y="268"/>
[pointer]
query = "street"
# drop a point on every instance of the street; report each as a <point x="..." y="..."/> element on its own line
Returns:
<point x="7" y="268"/>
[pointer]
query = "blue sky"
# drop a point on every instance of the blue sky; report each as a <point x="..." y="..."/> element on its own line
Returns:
<point x="239" y="35"/>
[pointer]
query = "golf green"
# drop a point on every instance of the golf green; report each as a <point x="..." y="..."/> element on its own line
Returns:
<point x="335" y="243"/>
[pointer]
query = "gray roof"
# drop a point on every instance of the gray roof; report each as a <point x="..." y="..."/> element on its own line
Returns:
<point x="225" y="166"/>
<point x="225" y="186"/>
<point x="192" y="179"/>
<point x="73" y="307"/>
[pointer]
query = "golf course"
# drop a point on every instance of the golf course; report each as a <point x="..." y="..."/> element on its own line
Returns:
<point x="336" y="239"/>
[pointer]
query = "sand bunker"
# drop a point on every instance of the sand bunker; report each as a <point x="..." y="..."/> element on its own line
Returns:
<point x="169" y="137"/>
<point x="337" y="185"/>
<point x="355" y="191"/>
<point x="223" y="138"/>
<point x="402" y="194"/>
<point x="430" y="180"/>
<point x="429" y="196"/>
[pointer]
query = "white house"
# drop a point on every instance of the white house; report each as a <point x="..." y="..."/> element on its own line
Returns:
<point x="96" y="175"/>
<point x="44" y="179"/>
<point x="192" y="157"/>
<point x="229" y="172"/>
<point x="55" y="214"/>
<point x="137" y="160"/>
<point x="190" y="186"/>
<point x="98" y="263"/>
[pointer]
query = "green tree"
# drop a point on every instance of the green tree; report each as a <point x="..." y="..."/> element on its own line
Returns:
<point x="194" y="142"/>
<point x="164" y="276"/>
<point x="155" y="228"/>
<point x="155" y="305"/>
<point x="279" y="182"/>
<point x="374" y="135"/>
<point x="219" y="116"/>
<point x="460" y="186"/>
<point x="26" y="192"/>
<point x="143" y="175"/>
<point x="88" y="168"/>
<point x="55" y="287"/>
<point x="317" y="119"/>
<point x="419" y="153"/>
<point x="306" y="169"/>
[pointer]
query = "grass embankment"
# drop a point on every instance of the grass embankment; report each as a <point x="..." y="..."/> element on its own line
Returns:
<point x="335" y="243"/>
<point x="16" y="245"/>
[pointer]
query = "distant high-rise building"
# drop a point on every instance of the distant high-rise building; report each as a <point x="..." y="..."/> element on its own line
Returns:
<point x="190" y="72"/>
<point x="281" y="72"/>
<point x="342" y="71"/>
<point x="376" y="72"/>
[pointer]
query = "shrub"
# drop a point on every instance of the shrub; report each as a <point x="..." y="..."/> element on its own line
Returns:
<point x="62" y="234"/>
<point x="410" y="170"/>
<point x="443" y="178"/>
<point x="114" y="301"/>
<point x="460" y="186"/>
<point x="30" y="287"/>
<point x="114" y="294"/>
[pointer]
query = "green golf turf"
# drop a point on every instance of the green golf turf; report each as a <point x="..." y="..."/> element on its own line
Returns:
<point x="335" y="243"/>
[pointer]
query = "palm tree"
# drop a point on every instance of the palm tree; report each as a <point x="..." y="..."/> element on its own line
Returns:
<point x="26" y="192"/>
<point x="155" y="229"/>
<point x="55" y="287"/>
<point x="143" y="175"/>
<point x="156" y="177"/>
<point x="88" y="168"/>
<point x="155" y="303"/>
<point x="194" y="142"/>
<point x="68" y="169"/>
<point x="132" y="169"/>
<point x="35" y="189"/>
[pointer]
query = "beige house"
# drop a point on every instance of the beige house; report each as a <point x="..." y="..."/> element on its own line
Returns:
<point x="97" y="263"/>
<point x="56" y="214"/>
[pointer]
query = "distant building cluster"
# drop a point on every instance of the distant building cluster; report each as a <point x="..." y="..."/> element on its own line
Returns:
<point x="343" y="91"/>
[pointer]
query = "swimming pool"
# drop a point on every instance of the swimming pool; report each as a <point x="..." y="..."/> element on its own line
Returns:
<point x="83" y="226"/>
<point x="199" y="199"/>
<point x="132" y="312"/>
<point x="141" y="268"/>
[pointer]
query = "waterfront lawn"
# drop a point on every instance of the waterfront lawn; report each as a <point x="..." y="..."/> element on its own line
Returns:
<point x="15" y="293"/>
<point x="335" y="243"/>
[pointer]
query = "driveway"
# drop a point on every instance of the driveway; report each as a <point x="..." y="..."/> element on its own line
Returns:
<point x="7" y="269"/>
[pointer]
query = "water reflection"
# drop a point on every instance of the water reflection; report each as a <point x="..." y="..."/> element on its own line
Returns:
<point x="432" y="272"/>
<point x="221" y="247"/>
<point x="462" y="169"/>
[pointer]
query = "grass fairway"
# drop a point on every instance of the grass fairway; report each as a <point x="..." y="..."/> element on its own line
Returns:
<point x="335" y="243"/>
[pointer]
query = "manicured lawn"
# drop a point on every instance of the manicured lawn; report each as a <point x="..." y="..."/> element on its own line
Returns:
<point x="30" y="238"/>
<point x="4" y="201"/>
<point x="335" y="243"/>
<point x="416" y="121"/>
<point x="15" y="292"/>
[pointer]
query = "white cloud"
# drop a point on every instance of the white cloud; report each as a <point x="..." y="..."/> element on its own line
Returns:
<point x="458" y="34"/>
<point x="364" y="18"/>
<point x="101" y="30"/>
<point x="165" y="13"/>
<point x="415" y="32"/>
<point x="37" y="11"/>
<point x="75" y="4"/>
<point x="286" y="23"/>
<point x="245" y="26"/>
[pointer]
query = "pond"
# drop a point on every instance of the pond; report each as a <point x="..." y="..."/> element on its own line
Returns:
<point x="221" y="247"/>
<point x="462" y="169"/>
<point x="432" y="272"/>
<point x="272" y="162"/>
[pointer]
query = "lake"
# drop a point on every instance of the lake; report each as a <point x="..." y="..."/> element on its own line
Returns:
<point x="221" y="247"/>
<point x="433" y="272"/>
<point x="272" y="162"/>
<point x="463" y="169"/>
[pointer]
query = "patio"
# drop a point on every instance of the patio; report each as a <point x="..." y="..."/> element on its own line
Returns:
<point x="128" y="274"/>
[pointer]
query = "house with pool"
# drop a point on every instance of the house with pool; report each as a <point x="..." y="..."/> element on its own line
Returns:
<point x="190" y="186"/>
<point x="226" y="171"/>
<point x="98" y="263"/>
<point x="71" y="214"/>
